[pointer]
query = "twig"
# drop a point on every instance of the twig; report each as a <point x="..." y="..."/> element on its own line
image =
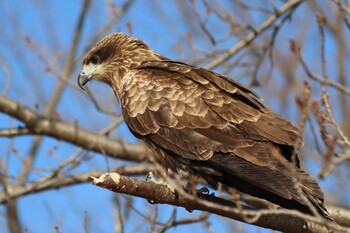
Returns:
<point x="97" y="105"/>
<point x="60" y="181"/>
<point x="295" y="47"/>
<point x="290" y="5"/>
<point x="202" y="23"/>
<point x="8" y="75"/>
<point x="321" y="21"/>
<point x="184" y="221"/>
<point x="13" y="132"/>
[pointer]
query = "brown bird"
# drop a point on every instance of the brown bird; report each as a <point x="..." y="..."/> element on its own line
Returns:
<point x="202" y="122"/>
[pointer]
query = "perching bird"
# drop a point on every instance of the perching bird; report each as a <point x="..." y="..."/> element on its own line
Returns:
<point x="202" y="122"/>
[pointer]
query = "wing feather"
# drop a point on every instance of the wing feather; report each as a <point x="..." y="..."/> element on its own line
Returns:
<point x="203" y="114"/>
<point x="208" y="97"/>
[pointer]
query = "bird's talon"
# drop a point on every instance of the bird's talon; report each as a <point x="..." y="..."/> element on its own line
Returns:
<point x="203" y="190"/>
<point x="151" y="202"/>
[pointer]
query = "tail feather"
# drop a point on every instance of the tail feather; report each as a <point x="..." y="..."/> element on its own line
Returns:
<point x="313" y="193"/>
<point x="270" y="183"/>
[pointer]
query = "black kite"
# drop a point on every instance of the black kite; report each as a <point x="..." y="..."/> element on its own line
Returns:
<point x="202" y="122"/>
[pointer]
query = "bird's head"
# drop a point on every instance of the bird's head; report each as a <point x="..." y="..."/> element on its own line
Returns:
<point x="111" y="58"/>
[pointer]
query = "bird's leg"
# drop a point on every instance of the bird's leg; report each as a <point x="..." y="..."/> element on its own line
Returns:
<point x="190" y="187"/>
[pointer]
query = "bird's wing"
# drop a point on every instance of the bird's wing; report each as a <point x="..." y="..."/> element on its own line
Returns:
<point x="194" y="112"/>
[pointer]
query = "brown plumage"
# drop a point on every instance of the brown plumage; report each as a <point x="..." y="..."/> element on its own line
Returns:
<point x="202" y="122"/>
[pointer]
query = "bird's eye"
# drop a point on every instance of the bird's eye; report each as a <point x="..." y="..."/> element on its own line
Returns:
<point x="94" y="59"/>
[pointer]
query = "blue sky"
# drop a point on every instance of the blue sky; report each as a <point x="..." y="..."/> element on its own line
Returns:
<point x="50" y="26"/>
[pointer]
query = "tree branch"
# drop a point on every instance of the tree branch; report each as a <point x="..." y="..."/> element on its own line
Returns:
<point x="277" y="219"/>
<point x="41" y="125"/>
<point x="251" y="36"/>
<point x="60" y="181"/>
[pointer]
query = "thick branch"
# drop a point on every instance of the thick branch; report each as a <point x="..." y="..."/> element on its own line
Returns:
<point x="41" y="125"/>
<point x="282" y="220"/>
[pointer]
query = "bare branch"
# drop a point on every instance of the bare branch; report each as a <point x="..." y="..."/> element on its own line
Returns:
<point x="290" y="5"/>
<point x="8" y="75"/>
<point x="282" y="220"/>
<point x="295" y="47"/>
<point x="60" y="181"/>
<point x="18" y="191"/>
<point x="204" y="216"/>
<point x="14" y="132"/>
<point x="41" y="125"/>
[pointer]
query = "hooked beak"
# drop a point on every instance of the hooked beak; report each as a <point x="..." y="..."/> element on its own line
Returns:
<point x="83" y="79"/>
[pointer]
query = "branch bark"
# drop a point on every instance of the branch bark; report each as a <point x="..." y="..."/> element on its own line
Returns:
<point x="282" y="220"/>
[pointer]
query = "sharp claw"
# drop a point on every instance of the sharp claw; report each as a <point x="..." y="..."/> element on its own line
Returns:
<point x="151" y="201"/>
<point x="203" y="190"/>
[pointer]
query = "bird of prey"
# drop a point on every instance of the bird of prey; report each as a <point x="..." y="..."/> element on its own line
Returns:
<point x="202" y="122"/>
